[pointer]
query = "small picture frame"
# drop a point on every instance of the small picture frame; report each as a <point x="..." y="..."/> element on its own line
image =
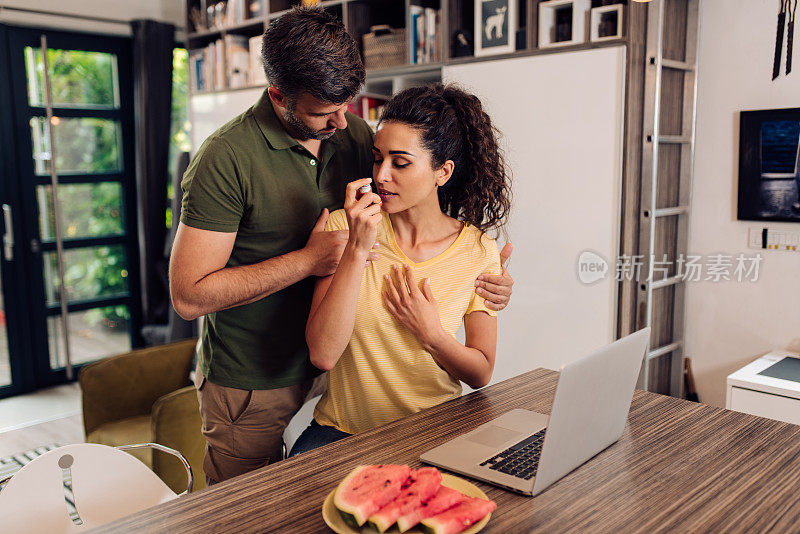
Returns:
<point x="495" y="27"/>
<point x="563" y="22"/>
<point x="606" y="23"/>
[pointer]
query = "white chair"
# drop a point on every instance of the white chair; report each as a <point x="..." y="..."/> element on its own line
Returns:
<point x="298" y="424"/>
<point x="106" y="483"/>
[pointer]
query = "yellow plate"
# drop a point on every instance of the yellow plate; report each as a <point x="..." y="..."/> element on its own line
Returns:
<point x="337" y="524"/>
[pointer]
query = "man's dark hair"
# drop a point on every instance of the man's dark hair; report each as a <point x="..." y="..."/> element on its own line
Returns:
<point x="309" y="50"/>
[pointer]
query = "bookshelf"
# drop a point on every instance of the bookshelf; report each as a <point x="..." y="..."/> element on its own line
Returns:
<point x="223" y="38"/>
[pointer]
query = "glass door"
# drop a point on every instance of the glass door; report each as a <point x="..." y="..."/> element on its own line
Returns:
<point x="92" y="151"/>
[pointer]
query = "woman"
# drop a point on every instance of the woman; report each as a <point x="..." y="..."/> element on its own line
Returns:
<point x="387" y="337"/>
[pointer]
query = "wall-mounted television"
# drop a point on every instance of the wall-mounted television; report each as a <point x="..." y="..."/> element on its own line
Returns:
<point x="769" y="165"/>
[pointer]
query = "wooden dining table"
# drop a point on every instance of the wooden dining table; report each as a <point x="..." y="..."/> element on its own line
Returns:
<point x="678" y="467"/>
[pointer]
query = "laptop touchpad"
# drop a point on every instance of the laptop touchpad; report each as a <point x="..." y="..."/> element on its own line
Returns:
<point x="494" y="436"/>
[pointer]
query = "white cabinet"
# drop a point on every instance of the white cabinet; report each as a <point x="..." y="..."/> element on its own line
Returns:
<point x="750" y="392"/>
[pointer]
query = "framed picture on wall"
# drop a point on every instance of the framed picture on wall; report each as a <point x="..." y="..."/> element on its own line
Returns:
<point x="563" y="22"/>
<point x="769" y="165"/>
<point x="606" y="23"/>
<point x="495" y="26"/>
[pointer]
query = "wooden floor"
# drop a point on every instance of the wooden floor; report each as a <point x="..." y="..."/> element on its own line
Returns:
<point x="64" y="431"/>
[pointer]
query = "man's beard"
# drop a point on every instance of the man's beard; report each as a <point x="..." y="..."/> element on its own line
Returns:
<point x="301" y="129"/>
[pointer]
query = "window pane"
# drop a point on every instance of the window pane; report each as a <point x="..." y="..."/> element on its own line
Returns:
<point x="87" y="210"/>
<point x="93" y="334"/>
<point x="90" y="272"/>
<point x="85" y="145"/>
<point x="78" y="79"/>
<point x="180" y="127"/>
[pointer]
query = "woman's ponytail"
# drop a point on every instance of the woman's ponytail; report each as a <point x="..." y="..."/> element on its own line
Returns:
<point x="455" y="127"/>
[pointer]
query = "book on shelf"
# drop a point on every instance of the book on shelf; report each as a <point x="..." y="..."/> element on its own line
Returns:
<point x="236" y="12"/>
<point x="196" y="59"/>
<point x="257" y="74"/>
<point x="220" y="74"/>
<point x="425" y="35"/>
<point x="228" y="63"/>
<point x="237" y="61"/>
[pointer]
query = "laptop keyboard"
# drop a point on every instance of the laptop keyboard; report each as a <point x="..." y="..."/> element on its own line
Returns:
<point x="519" y="460"/>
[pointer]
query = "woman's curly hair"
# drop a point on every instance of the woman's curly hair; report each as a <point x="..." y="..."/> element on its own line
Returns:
<point x="455" y="127"/>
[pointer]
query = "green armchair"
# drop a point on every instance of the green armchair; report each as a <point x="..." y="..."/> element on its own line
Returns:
<point x="146" y="396"/>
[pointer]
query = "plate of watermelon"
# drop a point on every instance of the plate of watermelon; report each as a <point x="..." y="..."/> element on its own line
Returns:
<point x="396" y="498"/>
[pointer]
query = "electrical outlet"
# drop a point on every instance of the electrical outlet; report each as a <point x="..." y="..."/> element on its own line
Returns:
<point x="776" y="240"/>
<point x="754" y="239"/>
<point x="772" y="240"/>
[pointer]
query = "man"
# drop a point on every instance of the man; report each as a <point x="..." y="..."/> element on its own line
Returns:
<point x="251" y="238"/>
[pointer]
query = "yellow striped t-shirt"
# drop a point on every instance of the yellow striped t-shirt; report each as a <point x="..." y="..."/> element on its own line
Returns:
<point x="384" y="373"/>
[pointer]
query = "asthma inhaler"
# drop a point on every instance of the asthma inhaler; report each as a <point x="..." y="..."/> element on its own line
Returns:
<point x="363" y="190"/>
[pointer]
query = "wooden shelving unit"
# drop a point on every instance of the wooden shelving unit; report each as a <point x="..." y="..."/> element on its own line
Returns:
<point x="360" y="15"/>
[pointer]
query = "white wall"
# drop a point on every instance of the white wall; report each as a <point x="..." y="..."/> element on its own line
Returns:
<point x="210" y="111"/>
<point x="162" y="10"/>
<point x="561" y="120"/>
<point x="729" y="324"/>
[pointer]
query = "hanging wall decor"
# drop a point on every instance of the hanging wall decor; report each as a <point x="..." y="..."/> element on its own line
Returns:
<point x="790" y="35"/>
<point x="788" y="9"/>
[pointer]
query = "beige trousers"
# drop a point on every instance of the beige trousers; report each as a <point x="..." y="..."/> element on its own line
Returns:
<point x="244" y="428"/>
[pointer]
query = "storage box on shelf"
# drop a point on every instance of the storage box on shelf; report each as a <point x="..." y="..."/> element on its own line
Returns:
<point x="384" y="47"/>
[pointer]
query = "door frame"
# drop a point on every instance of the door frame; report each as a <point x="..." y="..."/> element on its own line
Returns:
<point x="37" y="369"/>
<point x="16" y="307"/>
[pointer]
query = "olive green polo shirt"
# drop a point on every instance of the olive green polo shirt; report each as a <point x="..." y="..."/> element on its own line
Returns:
<point x="251" y="177"/>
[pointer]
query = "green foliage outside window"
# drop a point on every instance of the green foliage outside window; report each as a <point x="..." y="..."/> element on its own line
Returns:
<point x="179" y="134"/>
<point x="87" y="80"/>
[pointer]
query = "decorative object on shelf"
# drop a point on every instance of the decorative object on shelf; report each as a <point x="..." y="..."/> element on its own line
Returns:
<point x="563" y="22"/>
<point x="462" y="44"/>
<point x="256" y="9"/>
<point x="198" y="19"/>
<point x="495" y="27"/>
<point x="310" y="2"/>
<point x="220" y="14"/>
<point x="384" y="47"/>
<point x="606" y="23"/>
<point x="769" y="165"/>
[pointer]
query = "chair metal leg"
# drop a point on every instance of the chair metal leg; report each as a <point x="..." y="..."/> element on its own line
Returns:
<point x="162" y="448"/>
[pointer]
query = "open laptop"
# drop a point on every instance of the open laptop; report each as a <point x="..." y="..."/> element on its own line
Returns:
<point x="525" y="451"/>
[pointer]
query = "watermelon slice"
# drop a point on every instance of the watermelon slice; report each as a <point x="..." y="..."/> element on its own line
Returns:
<point x="420" y="487"/>
<point x="459" y="517"/>
<point x="367" y="489"/>
<point x="443" y="499"/>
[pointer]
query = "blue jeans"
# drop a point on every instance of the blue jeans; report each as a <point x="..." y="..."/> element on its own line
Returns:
<point x="316" y="435"/>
